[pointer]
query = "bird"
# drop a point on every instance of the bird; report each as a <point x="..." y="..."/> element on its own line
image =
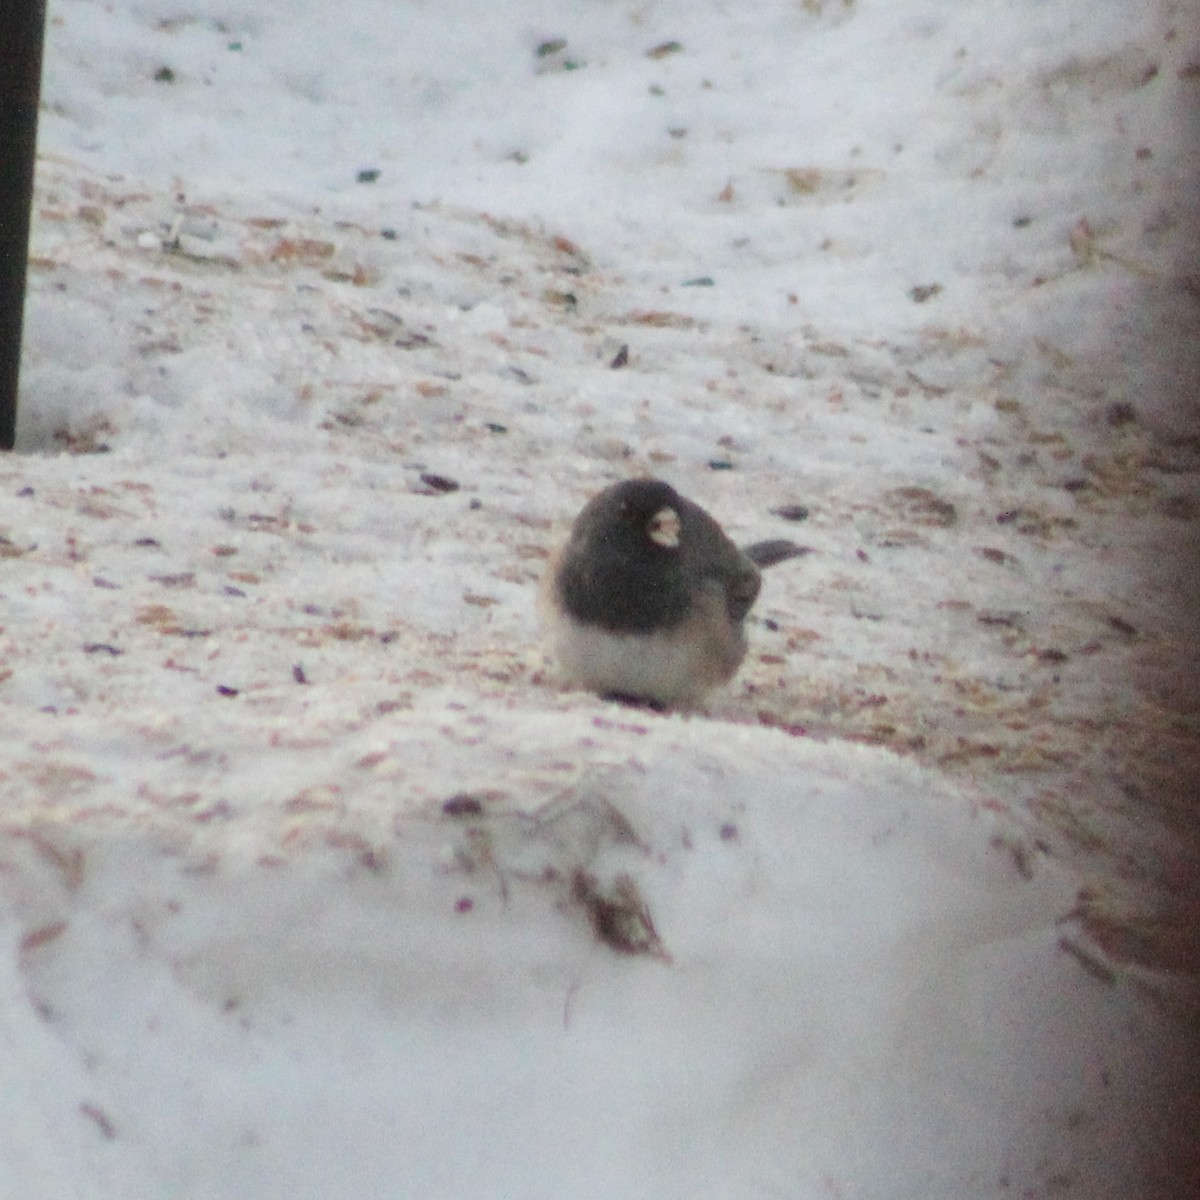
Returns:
<point x="646" y="602"/>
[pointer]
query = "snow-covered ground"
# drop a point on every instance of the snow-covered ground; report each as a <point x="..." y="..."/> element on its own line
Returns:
<point x="312" y="881"/>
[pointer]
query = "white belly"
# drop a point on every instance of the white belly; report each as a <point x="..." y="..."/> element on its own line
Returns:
<point x="673" y="668"/>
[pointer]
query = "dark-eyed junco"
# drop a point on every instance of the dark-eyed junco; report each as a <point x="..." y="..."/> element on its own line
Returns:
<point x="647" y="599"/>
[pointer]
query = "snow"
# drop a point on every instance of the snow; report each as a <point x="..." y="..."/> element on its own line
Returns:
<point x="314" y="883"/>
<point x="328" y="1024"/>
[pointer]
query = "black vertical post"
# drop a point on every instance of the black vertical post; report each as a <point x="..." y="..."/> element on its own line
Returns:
<point x="22" y="28"/>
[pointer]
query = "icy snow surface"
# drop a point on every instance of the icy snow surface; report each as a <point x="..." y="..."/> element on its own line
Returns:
<point x="313" y="883"/>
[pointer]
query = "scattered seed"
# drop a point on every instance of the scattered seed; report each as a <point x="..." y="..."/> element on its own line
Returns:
<point x="35" y="939"/>
<point x="564" y="245"/>
<point x="412" y="340"/>
<point x="923" y="506"/>
<point x="792" y="512"/>
<point x="222" y="690"/>
<point x="462" y="805"/>
<point x="1052" y="655"/>
<point x="439" y="483"/>
<point x="100" y="1119"/>
<point x="658" y="319"/>
<point x="1010" y="620"/>
<point x="368" y="175"/>
<point x="620" y="358"/>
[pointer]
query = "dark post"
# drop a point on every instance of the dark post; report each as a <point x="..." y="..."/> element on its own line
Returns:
<point x="22" y="27"/>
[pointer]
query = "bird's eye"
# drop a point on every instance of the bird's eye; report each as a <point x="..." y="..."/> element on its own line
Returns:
<point x="663" y="528"/>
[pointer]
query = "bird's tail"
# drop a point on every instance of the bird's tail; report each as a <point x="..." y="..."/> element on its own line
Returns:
<point x="775" y="550"/>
